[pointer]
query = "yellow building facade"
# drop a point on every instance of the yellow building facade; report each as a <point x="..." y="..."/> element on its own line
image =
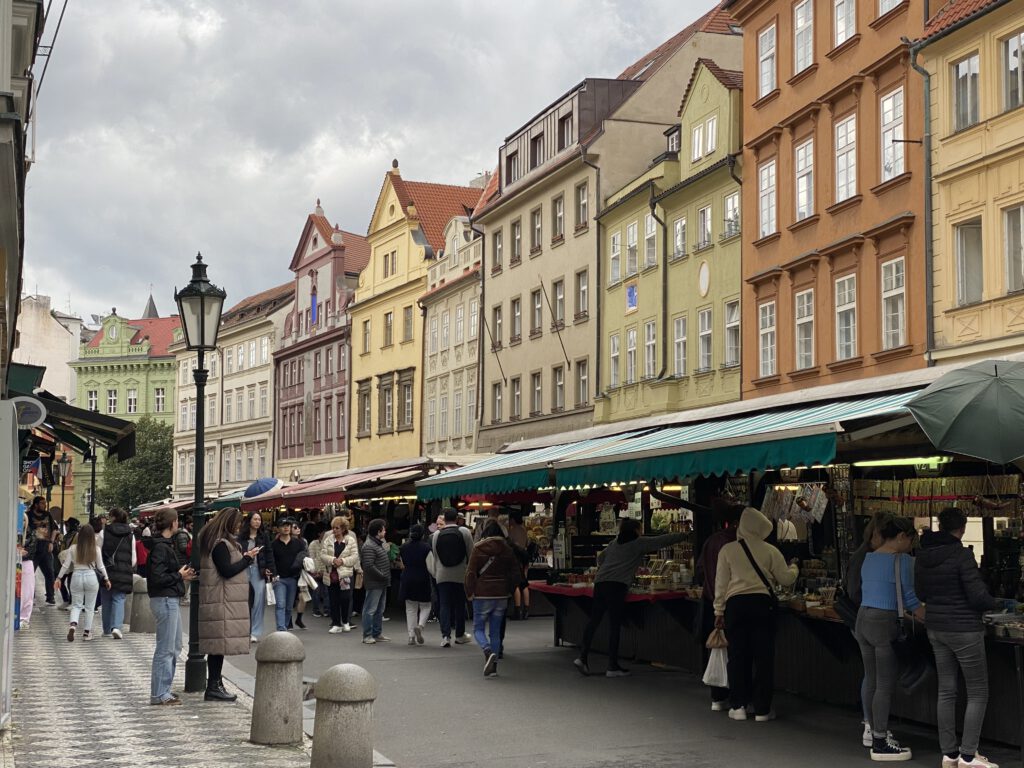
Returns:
<point x="670" y="330"/>
<point x="406" y="231"/>
<point x="976" y="91"/>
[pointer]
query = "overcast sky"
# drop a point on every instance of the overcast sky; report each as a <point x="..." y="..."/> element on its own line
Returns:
<point x="170" y="126"/>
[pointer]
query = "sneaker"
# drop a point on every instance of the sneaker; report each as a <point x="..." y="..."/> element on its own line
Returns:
<point x="51" y="602"/>
<point x="382" y="639"/>
<point x="977" y="762"/>
<point x="106" y="634"/>
<point x="951" y="762"/>
<point x="412" y="640"/>
<point x="65" y="607"/>
<point x="719" y="706"/>
<point x="765" y="718"/>
<point x="346" y="627"/>
<point x="446" y="642"/>
<point x="369" y="641"/>
<point x="418" y="634"/>
<point x="87" y="635"/>
<point x="888" y="750"/>
<point x="617" y="672"/>
<point x="385" y="618"/>
<point x="317" y="615"/>
<point x="298" y="622"/>
<point x="582" y="666"/>
<point x="116" y="634"/>
<point x="738" y="714"/>
<point x="71" y="634"/>
<point x="24" y="625"/>
<point x="335" y="630"/>
<point x="463" y="639"/>
<point x="867" y="739"/>
<point x="491" y="665"/>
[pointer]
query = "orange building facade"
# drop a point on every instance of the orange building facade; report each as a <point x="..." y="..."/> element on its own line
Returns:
<point x="833" y="194"/>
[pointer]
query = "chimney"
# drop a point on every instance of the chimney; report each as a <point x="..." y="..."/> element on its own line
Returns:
<point x="394" y="167"/>
<point x="411" y="209"/>
<point x="480" y="182"/>
<point x="336" y="237"/>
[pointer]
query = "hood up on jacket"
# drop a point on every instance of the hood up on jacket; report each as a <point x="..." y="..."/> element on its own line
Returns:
<point x="754" y="526"/>
<point x="936" y="548"/>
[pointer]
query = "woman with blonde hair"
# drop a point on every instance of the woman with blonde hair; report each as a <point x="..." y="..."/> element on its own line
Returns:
<point x="339" y="553"/>
<point x="224" y="628"/>
<point x="85" y="564"/>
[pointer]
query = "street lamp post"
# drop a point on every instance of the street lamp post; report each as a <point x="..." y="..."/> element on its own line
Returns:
<point x="199" y="304"/>
<point x="63" y="464"/>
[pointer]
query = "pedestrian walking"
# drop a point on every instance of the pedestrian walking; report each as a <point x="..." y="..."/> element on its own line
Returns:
<point x="261" y="571"/>
<point x="41" y="533"/>
<point x="118" y="548"/>
<point x="302" y="588"/>
<point x="414" y="584"/>
<point x="339" y="553"/>
<point x="377" y="578"/>
<point x="519" y="538"/>
<point x="224" y="628"/>
<point x="141" y="552"/>
<point x="168" y="578"/>
<point x="70" y="534"/>
<point x="947" y="579"/>
<point x="318" y="596"/>
<point x="887" y="592"/>
<point x="87" y="570"/>
<point x="616" y="568"/>
<point x="451" y="547"/>
<point x="492" y="574"/>
<point x="745" y="604"/>
<point x="288" y="555"/>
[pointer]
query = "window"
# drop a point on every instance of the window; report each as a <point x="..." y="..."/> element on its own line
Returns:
<point x="363" y="414"/>
<point x="387" y="406"/>
<point x="406" y="325"/>
<point x="537" y="318"/>
<point x="766" y="197"/>
<point x="965" y="92"/>
<point x="133" y="400"/>
<point x="969" y="269"/>
<point x="263" y="461"/>
<point x="582" y="298"/>
<point x="252" y="354"/>
<point x="183" y="416"/>
<point x="211" y="410"/>
<point x="631" y="355"/>
<point x="558" y="218"/>
<point x="432" y="418"/>
<point x="229" y="361"/>
<point x="159" y="399"/>
<point x="213" y="365"/>
<point x="704" y="347"/>
<point x="390" y="264"/>
<point x="884" y="6"/>
<point x="181" y="466"/>
<point x="536" y="231"/>
<point x="894" y="308"/>
<point x="650" y="251"/>
<point x="264" y="405"/>
<point x="536" y="151"/>
<point x="192" y="414"/>
<point x="366" y="336"/>
<point x="679" y="237"/>
<point x="457" y="414"/>
<point x="704" y="227"/>
<point x="805" y="180"/>
<point x="517" y="241"/>
<point x="1013" y="71"/>
<point x="565" y="131"/>
<point x="470" y="409"/>
<point x="211" y="465"/>
<point x="582" y="211"/>
<point x="238" y="461"/>
<point x="227" y="408"/>
<point x="497" y="250"/>
<point x="496" y="405"/>
<point x="516" y="310"/>
<point x="239" y="407"/>
<point x="496" y="330"/>
<point x="845" y="12"/>
<point x="631" y="244"/>
<point x="697" y="142"/>
<point x="732" y="215"/>
<point x="711" y="135"/>
<point x="460" y="323"/>
<point x="406" y="389"/>
<point x="111" y="401"/>
<point x="766" y="337"/>
<point x="650" y="350"/>
<point x="474" y="318"/>
<point x="1013" y="222"/>
<point x="264" y="350"/>
<point x="536" y="402"/>
<point x="558" y="388"/>
<point x="511" y="167"/>
<point x="582" y="383"/>
<point x="766" y="61"/>
<point x="846" y="158"/>
<point x="805" y="330"/>
<point x="732" y="333"/>
<point x="892" y="134"/>
<point x="249" y="468"/>
<point x="433" y="334"/>
<point x="516" y="406"/>
<point x="183" y="378"/>
<point x="445" y="329"/>
<point x="342" y="358"/>
<point x="803" y="36"/>
<point x="252" y="402"/>
<point x="442" y="418"/>
<point x="240" y="356"/>
<point x="846" y="317"/>
<point x="613" y="360"/>
<point x="558" y="290"/>
<point x="615" y="258"/>
<point x="679" y="347"/>
<point x="317" y="365"/>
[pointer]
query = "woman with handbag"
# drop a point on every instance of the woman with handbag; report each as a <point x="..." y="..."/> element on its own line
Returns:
<point x="339" y="554"/>
<point x="261" y="571"/>
<point x="85" y="564"/>
<point x="745" y="606"/>
<point x="118" y="547"/>
<point x="887" y="593"/>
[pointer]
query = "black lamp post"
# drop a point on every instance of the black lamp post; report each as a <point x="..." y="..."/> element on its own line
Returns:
<point x="199" y="304"/>
<point x="64" y="465"/>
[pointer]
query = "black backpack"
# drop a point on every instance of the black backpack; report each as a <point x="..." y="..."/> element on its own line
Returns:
<point x="450" y="547"/>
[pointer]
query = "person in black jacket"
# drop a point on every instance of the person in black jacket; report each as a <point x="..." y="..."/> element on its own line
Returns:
<point x="288" y="554"/>
<point x="414" y="586"/>
<point x="118" y="548"/>
<point x="168" y="578"/>
<point x="947" y="579"/>
<point x="261" y="572"/>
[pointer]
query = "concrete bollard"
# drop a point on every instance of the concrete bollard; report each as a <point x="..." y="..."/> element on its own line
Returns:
<point x="277" y="704"/>
<point x="343" y="728"/>
<point x="142" y="618"/>
<point x="129" y="602"/>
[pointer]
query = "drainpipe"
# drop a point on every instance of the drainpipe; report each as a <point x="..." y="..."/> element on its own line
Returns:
<point x="480" y="313"/>
<point x="664" y="285"/>
<point x="597" y="271"/>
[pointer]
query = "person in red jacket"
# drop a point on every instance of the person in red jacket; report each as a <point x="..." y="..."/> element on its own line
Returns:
<point x="141" y="554"/>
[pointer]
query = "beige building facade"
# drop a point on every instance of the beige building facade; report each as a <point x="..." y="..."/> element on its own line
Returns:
<point x="51" y="339"/>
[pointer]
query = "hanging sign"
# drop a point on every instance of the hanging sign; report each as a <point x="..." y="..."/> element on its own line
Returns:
<point x="30" y="412"/>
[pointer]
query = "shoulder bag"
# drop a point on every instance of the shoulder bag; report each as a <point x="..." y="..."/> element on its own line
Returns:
<point x="901" y="627"/>
<point x="760" y="574"/>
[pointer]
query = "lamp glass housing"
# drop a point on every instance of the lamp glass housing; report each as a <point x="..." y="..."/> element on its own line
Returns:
<point x="200" y="304"/>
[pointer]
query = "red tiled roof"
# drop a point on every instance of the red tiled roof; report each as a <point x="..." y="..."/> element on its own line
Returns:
<point x="717" y="21"/>
<point x="490" y="191"/>
<point x="357" y="251"/>
<point x="160" y="331"/>
<point x="730" y="78"/>
<point x="260" y="303"/>
<point x="955" y="11"/>
<point x="436" y="204"/>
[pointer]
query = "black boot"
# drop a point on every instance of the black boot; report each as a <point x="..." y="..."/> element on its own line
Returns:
<point x="524" y="613"/>
<point x="298" y="621"/>
<point x="215" y="691"/>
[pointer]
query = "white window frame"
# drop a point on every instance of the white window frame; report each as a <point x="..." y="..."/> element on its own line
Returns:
<point x="767" y="76"/>
<point x="679" y="346"/>
<point x="846" y="316"/>
<point x="679" y="237"/>
<point x="697" y="142"/>
<point x="582" y="206"/>
<point x="969" y="264"/>
<point x="731" y="221"/>
<point x="615" y="258"/>
<point x="964" y="83"/>
<point x="732" y="333"/>
<point x="767" y="209"/>
<point x="433" y="334"/>
<point x="884" y="6"/>
<point x="516" y="311"/>
<point x="803" y="35"/>
<point x="705" y="340"/>
<point x="650" y="241"/>
<point x="498" y="250"/>
<point x="558" y="291"/>
<point x="1013" y="247"/>
<point x="132" y="400"/>
<point x="804" y="332"/>
<point x="516" y="397"/>
<point x="613" y="360"/>
<point x="1013" y="81"/>
<point x="582" y="293"/>
<point x="537" y="312"/>
<point x="460" y="323"/>
<point x="582" y="383"/>
<point x="457" y="413"/>
<point x="432" y="419"/>
<point x="804" y="168"/>
<point x="558" y="387"/>
<point x="111" y="401"/>
<point x="844" y="15"/>
<point x="891" y="131"/>
<point x="632" y="255"/>
<point x="650" y="349"/>
<point x="845" y="133"/>
<point x="894" y="303"/>
<point x="558" y="218"/>
<point x="470" y="408"/>
<point x="446" y="324"/>
<point x="704" y="228"/>
<point x="766" y="319"/>
<point x="474" y="318"/>
<point x="536" y="393"/>
<point x="711" y="135"/>
<point x="631" y="355"/>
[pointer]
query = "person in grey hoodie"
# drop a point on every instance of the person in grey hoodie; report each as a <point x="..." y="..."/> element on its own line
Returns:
<point x="617" y="566"/>
<point x="947" y="579"/>
<point x="450" y="549"/>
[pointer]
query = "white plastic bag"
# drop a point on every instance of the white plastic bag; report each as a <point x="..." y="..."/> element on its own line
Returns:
<point x="271" y="598"/>
<point x="717" y="673"/>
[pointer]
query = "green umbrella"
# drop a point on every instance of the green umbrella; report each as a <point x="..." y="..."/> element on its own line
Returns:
<point x="975" y="411"/>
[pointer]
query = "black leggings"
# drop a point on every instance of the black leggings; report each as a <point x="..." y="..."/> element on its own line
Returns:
<point x="610" y="598"/>
<point x="44" y="563"/>
<point x="214" y="669"/>
<point x="341" y="604"/>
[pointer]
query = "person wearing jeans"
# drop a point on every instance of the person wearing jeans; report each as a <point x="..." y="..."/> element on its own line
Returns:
<point x="167" y="612"/>
<point x="946" y="577"/>
<point x="492" y="574"/>
<point x="450" y="549"/>
<point x="260" y="572"/>
<point x="86" y="567"/>
<point x="376" y="578"/>
<point x="285" y="589"/>
<point x="168" y="579"/>
<point x="414" y="584"/>
<point x="118" y="547"/>
<point x="288" y="553"/>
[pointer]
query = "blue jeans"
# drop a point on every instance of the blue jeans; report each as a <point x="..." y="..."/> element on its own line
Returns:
<point x="284" y="592"/>
<point x="113" y="609"/>
<point x="488" y="613"/>
<point x="452" y="597"/>
<point x="259" y="600"/>
<point x="373" y="611"/>
<point x="167" y="611"/>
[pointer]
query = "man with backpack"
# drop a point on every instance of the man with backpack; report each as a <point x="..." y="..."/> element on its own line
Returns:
<point x="450" y="548"/>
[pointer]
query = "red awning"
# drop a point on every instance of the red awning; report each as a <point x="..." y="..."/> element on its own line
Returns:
<point x="177" y="506"/>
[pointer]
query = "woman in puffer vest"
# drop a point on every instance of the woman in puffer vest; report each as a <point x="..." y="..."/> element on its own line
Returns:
<point x="223" y="597"/>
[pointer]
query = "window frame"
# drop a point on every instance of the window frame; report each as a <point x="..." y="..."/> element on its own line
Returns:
<point x="803" y="169"/>
<point x="892" y="128"/>
<point x="959" y="231"/>
<point x="615" y="258"/>
<point x="845" y="155"/>
<point x="767" y="78"/>
<point x="848" y="15"/>
<point x="846" y="308"/>
<point x="802" y="59"/>
<point x="631" y="369"/>
<point x="767" y="339"/>
<point x="894" y="339"/>
<point x="1007" y="259"/>
<point x="679" y="351"/>
<point x="970" y="110"/>
<point x="613" y="360"/>
<point x="650" y="349"/>
<point x="803" y="313"/>
<point x="767" y="202"/>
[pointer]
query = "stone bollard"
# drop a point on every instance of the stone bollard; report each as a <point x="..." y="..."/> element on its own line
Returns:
<point x="129" y="602"/>
<point x="343" y="728"/>
<point x="142" y="618"/>
<point x="277" y="704"/>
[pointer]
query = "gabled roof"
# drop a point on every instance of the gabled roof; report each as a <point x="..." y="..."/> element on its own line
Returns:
<point x="730" y="78"/>
<point x="159" y="330"/>
<point x="259" y="304"/>
<point x="956" y="11"/>
<point x="490" y="191"/>
<point x="435" y="204"/>
<point x="357" y="249"/>
<point x="717" y="21"/>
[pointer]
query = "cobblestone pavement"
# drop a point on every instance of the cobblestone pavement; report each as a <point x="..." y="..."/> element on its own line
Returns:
<point x="84" y="704"/>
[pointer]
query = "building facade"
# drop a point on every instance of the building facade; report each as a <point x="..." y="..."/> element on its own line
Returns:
<point x="670" y="326"/>
<point x="312" y="362"/>
<point x="239" y="397"/>
<point x="833" y="226"/>
<point x="451" y="308"/>
<point x="51" y="339"/>
<point x="977" y="151"/>
<point x="406" y="233"/>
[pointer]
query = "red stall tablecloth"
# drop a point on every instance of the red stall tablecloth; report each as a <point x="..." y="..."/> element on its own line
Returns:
<point x="568" y="591"/>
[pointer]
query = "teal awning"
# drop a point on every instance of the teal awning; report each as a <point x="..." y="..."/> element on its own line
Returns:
<point x="509" y="472"/>
<point x="766" y="440"/>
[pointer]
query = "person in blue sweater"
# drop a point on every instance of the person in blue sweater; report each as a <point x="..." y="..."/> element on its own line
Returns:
<point x="877" y="626"/>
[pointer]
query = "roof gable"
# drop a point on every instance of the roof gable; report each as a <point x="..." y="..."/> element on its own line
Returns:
<point x="259" y="304"/>
<point x="318" y="237"/>
<point x="157" y="331"/>
<point x="729" y="78"/>
<point x="954" y="12"/>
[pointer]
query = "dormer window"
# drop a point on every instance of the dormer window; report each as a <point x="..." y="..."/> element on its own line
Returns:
<point x="536" y="151"/>
<point x="565" y="136"/>
<point x="511" y="167"/>
<point x="673" y="141"/>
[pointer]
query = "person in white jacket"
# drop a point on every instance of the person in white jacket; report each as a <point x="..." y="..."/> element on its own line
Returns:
<point x="339" y="554"/>
<point x="85" y="563"/>
<point x="745" y="604"/>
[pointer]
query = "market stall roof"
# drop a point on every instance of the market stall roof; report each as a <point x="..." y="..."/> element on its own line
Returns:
<point x="507" y="472"/>
<point x="771" y="439"/>
<point x="231" y="499"/>
<point x="147" y="511"/>
<point x="332" y="491"/>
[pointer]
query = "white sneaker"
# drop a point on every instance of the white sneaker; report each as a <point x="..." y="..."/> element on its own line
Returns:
<point x="765" y="718"/>
<point x="24" y="625"/>
<point x="418" y="634"/>
<point x="719" y="706"/>
<point x="253" y="639"/>
<point x="412" y="640"/>
<point x="738" y="714"/>
<point x="335" y="631"/>
<point x="950" y="762"/>
<point x="116" y="634"/>
<point x="977" y="762"/>
<point x="867" y="738"/>
<point x="446" y="642"/>
<point x="369" y="641"/>
<point x="463" y="639"/>
<point x="346" y="627"/>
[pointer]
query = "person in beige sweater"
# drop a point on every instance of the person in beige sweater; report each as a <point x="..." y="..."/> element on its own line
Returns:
<point x="745" y="608"/>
